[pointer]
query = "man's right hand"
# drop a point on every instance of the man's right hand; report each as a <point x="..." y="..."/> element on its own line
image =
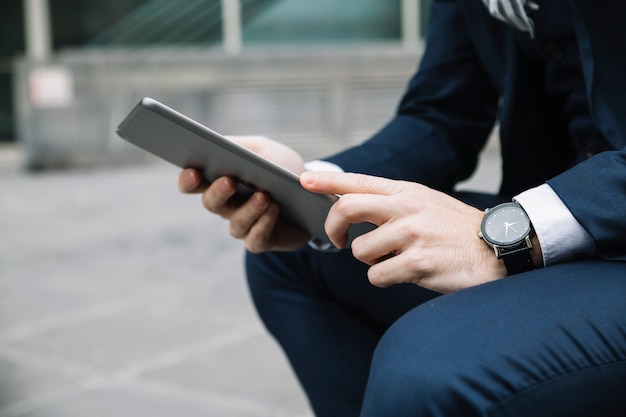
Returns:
<point x="254" y="220"/>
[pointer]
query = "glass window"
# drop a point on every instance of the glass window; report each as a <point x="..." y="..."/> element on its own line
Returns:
<point x="199" y="22"/>
<point x="136" y="22"/>
<point x="320" y="21"/>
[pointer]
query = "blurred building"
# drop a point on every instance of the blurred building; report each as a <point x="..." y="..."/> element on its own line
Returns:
<point x="317" y="75"/>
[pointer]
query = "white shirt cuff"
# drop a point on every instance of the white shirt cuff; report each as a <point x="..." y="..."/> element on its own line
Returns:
<point x="560" y="235"/>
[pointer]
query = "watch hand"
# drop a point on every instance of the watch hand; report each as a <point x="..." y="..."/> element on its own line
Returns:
<point x="508" y="226"/>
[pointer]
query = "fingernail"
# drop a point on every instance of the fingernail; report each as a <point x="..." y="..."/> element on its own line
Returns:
<point x="260" y="201"/>
<point x="190" y="177"/>
<point x="308" y="177"/>
<point x="225" y="186"/>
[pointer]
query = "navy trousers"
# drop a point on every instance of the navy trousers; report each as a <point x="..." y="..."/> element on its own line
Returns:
<point x="551" y="342"/>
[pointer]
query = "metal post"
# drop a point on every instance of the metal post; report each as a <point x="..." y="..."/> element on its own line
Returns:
<point x="231" y="27"/>
<point x="37" y="27"/>
<point x="410" y="14"/>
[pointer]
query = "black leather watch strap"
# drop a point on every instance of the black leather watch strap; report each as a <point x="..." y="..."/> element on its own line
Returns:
<point x="518" y="261"/>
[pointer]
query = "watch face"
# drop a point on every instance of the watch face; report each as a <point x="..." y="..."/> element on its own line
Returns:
<point x="506" y="224"/>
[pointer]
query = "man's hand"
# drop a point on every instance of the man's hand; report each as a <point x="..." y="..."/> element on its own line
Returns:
<point x="254" y="220"/>
<point x="424" y="236"/>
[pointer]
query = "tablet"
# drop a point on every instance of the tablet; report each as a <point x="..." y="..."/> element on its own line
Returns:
<point x="186" y="143"/>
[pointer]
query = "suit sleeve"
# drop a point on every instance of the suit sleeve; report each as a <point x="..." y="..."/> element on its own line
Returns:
<point x="595" y="191"/>
<point x="444" y="118"/>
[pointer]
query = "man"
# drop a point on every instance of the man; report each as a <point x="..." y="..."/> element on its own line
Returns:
<point x="533" y="319"/>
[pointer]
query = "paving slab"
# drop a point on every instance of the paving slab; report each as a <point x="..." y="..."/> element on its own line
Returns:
<point x="120" y="296"/>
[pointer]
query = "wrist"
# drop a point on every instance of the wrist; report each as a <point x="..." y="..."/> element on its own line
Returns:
<point x="491" y="265"/>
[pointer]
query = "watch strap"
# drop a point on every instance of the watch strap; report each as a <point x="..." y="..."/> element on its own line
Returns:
<point x="518" y="261"/>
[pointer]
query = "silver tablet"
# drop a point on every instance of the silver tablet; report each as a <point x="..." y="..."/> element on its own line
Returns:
<point x="186" y="143"/>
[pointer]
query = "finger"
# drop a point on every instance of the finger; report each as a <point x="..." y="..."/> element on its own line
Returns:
<point x="326" y="182"/>
<point x="352" y="209"/>
<point x="259" y="236"/>
<point x="190" y="182"/>
<point x="407" y="267"/>
<point x="245" y="216"/>
<point x="376" y="246"/>
<point x="218" y="198"/>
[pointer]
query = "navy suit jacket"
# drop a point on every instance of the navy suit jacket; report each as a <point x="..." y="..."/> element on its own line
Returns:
<point x="477" y="70"/>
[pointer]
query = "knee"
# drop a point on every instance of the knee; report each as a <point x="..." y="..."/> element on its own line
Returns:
<point x="397" y="387"/>
<point x="423" y="376"/>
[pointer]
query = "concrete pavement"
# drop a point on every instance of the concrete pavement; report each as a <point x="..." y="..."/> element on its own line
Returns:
<point x="121" y="297"/>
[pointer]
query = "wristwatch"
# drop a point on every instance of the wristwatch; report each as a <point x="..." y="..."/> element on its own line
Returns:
<point x="507" y="229"/>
